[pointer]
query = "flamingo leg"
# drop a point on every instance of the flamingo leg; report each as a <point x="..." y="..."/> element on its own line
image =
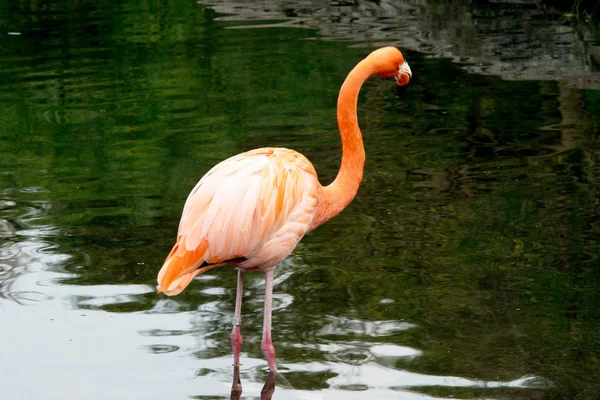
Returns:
<point x="236" y="336"/>
<point x="267" y="344"/>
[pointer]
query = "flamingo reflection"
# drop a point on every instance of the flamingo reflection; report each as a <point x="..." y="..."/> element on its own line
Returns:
<point x="265" y="394"/>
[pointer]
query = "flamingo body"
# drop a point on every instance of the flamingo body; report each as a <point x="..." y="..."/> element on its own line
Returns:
<point x="251" y="210"/>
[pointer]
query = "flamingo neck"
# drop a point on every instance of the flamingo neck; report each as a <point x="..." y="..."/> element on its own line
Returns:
<point x="342" y="190"/>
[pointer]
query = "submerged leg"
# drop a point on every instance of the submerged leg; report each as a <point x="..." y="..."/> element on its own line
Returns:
<point x="267" y="343"/>
<point x="236" y="386"/>
<point x="269" y="388"/>
<point x="236" y="336"/>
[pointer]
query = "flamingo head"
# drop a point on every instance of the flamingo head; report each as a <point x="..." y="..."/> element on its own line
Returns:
<point x="388" y="62"/>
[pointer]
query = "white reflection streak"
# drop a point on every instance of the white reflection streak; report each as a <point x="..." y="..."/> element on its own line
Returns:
<point x="372" y="375"/>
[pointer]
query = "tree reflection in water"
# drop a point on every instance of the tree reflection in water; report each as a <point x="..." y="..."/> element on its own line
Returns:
<point x="506" y="39"/>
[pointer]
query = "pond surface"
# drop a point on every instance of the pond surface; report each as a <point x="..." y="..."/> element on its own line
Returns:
<point x="467" y="266"/>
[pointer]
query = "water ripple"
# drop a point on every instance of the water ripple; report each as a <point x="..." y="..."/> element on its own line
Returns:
<point x="342" y="326"/>
<point x="161" y="349"/>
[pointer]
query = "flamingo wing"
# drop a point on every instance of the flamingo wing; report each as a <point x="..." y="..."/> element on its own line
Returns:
<point x="254" y="208"/>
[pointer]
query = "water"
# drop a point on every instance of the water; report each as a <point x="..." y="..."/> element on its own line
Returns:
<point x="466" y="267"/>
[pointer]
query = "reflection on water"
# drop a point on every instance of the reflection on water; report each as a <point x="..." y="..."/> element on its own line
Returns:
<point x="506" y="39"/>
<point x="465" y="267"/>
<point x="27" y="248"/>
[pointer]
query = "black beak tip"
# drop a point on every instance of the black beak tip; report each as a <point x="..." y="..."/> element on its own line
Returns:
<point x="401" y="90"/>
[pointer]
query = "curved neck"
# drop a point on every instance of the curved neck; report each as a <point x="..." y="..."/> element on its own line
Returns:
<point x="342" y="190"/>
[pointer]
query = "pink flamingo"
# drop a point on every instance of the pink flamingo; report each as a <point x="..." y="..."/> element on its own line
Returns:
<point x="251" y="210"/>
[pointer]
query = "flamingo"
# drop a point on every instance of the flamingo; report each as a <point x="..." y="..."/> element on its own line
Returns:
<point x="251" y="210"/>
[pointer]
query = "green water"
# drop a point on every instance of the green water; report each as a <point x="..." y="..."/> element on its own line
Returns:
<point x="466" y="267"/>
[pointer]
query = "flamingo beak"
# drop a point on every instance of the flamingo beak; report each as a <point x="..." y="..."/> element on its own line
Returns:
<point x="404" y="75"/>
